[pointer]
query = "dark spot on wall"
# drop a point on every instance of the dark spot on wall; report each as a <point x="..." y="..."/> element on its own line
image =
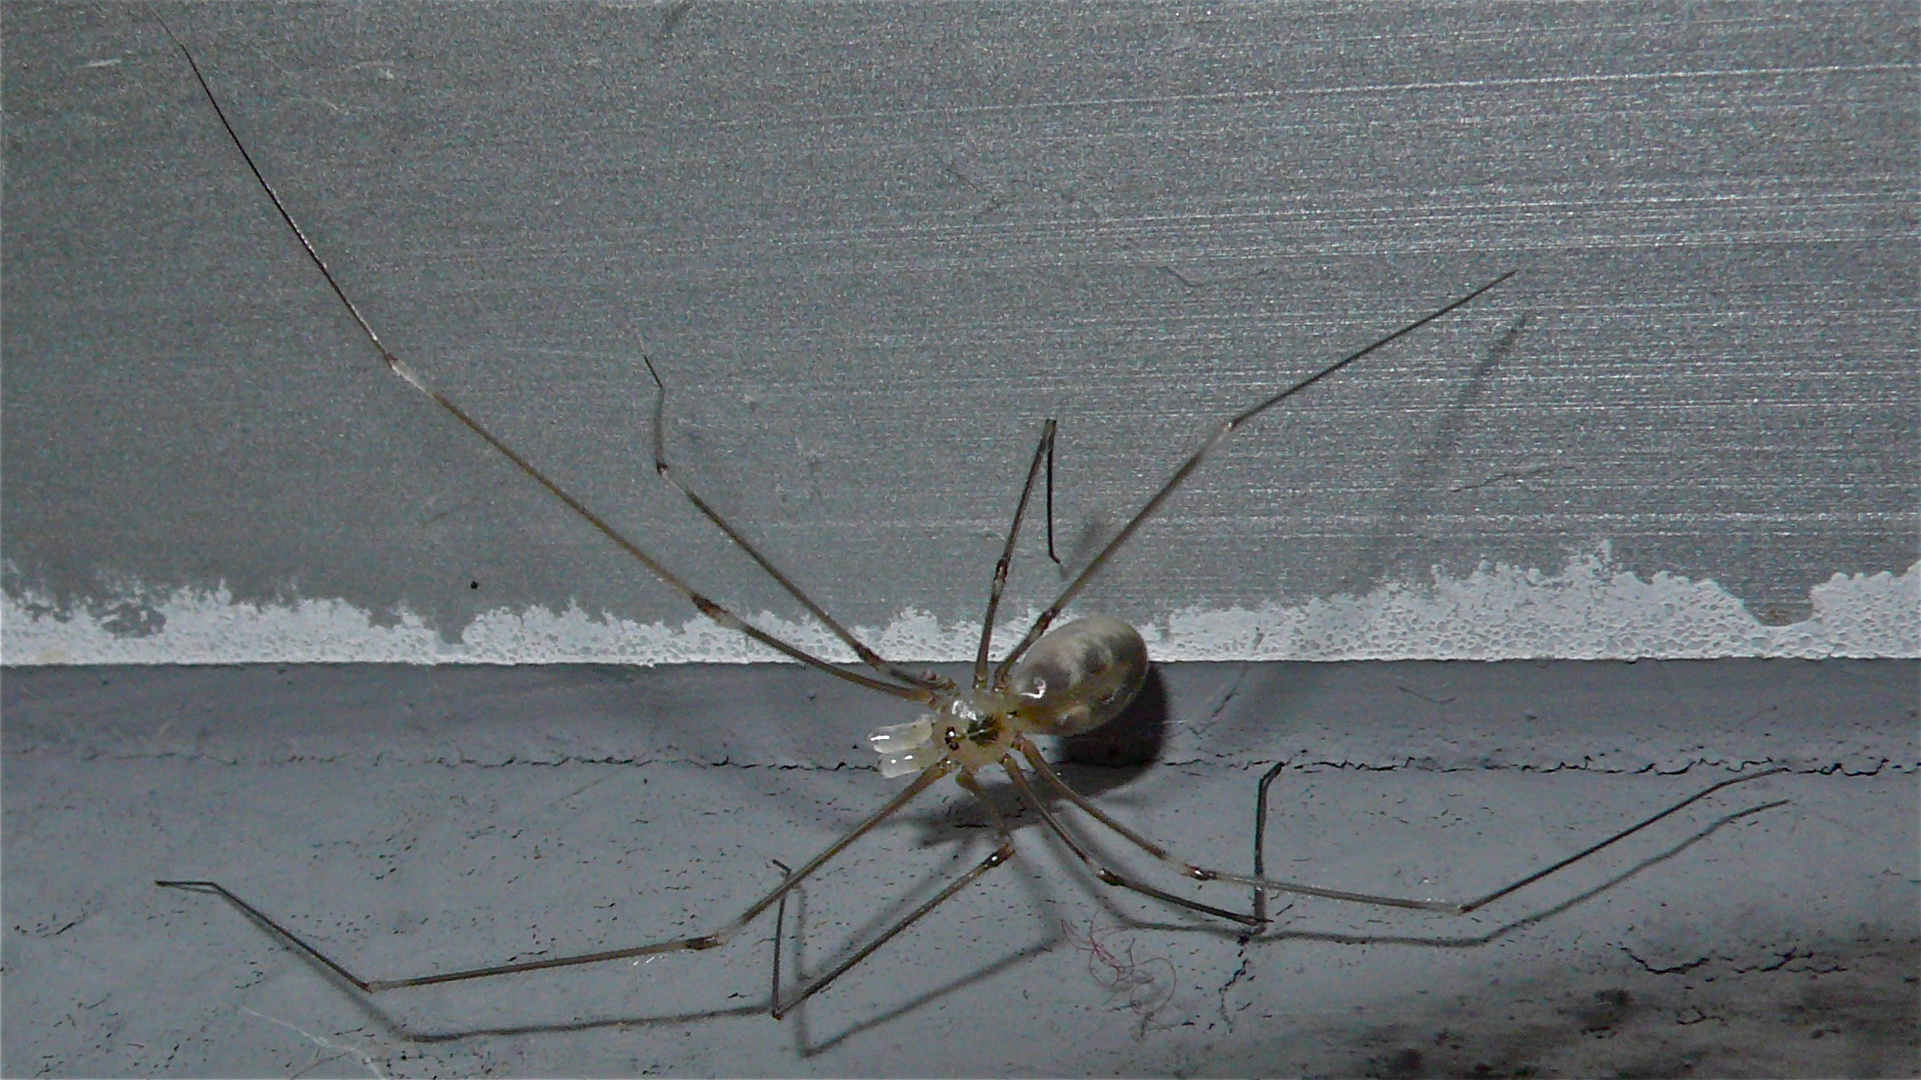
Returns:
<point x="1783" y="613"/>
<point x="131" y="619"/>
<point x="1610" y="1007"/>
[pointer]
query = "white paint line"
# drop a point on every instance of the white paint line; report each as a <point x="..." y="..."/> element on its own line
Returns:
<point x="1586" y="610"/>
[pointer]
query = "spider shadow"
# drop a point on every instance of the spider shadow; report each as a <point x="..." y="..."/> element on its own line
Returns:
<point x="1095" y="763"/>
<point x="1414" y="491"/>
<point x="962" y="827"/>
<point x="1473" y="941"/>
<point x="806" y="1045"/>
<point x="391" y="1021"/>
<point x="1134" y="921"/>
<point x="1123" y="749"/>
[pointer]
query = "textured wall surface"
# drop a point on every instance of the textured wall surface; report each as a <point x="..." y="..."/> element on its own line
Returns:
<point x="871" y="248"/>
<point x="415" y="819"/>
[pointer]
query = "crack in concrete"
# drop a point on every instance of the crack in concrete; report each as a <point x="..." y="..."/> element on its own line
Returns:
<point x="1233" y="690"/>
<point x="1677" y="969"/>
<point x="1422" y="764"/>
<point x="1245" y="970"/>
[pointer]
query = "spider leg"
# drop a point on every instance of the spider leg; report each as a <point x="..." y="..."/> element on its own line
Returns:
<point x="1106" y="875"/>
<point x="914" y="691"/>
<point x="1044" y="451"/>
<point x="666" y="472"/>
<point x="1220" y="435"/>
<point x="687" y="944"/>
<point x="1454" y="907"/>
<point x="994" y="858"/>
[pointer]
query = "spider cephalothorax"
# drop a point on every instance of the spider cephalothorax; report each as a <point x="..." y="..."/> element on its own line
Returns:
<point x="1076" y="677"/>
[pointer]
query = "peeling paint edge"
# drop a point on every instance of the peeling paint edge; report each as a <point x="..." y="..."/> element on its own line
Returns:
<point x="1588" y="610"/>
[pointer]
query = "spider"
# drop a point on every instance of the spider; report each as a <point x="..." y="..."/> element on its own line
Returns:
<point x="1059" y="679"/>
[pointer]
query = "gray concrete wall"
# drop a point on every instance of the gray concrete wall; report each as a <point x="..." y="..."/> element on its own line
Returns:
<point x="872" y="248"/>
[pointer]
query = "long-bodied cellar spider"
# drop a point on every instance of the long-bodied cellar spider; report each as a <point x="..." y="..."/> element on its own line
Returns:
<point x="1056" y="680"/>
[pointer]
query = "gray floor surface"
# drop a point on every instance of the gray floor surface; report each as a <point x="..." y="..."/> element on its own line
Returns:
<point x="417" y="819"/>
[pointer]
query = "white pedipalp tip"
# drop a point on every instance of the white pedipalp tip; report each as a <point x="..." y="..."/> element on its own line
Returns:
<point x="905" y="748"/>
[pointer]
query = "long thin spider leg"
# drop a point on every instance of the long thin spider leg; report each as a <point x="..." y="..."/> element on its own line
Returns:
<point x="1046" y="772"/>
<point x="1103" y="873"/>
<point x="1622" y="835"/>
<point x="1194" y="460"/>
<point x="690" y="944"/>
<point x="1260" y="836"/>
<point x="780" y="932"/>
<point x="665" y="470"/>
<point x="705" y="606"/>
<point x="1452" y="907"/>
<point x="1043" y="451"/>
<point x="1050" y="502"/>
<point x="994" y="858"/>
<point x="1463" y="907"/>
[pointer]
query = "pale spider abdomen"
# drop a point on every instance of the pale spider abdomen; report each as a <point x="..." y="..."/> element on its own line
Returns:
<point x="1079" y="676"/>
